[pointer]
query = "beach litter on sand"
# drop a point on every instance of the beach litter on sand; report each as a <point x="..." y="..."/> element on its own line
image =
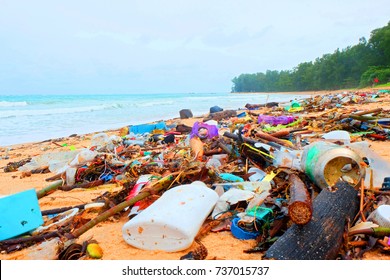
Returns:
<point x="292" y="180"/>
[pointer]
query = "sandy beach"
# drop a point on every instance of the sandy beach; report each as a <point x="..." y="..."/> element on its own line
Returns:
<point x="220" y="245"/>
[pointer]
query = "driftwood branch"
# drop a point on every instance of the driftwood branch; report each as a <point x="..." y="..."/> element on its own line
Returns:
<point x="157" y="186"/>
<point x="322" y="237"/>
<point x="268" y="137"/>
<point x="300" y="207"/>
<point x="49" y="189"/>
<point x="85" y="185"/>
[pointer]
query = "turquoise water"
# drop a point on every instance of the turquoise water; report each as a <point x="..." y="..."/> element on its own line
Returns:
<point x="28" y="118"/>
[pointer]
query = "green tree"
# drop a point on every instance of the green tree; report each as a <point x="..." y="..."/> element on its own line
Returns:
<point x="380" y="44"/>
<point x="350" y="67"/>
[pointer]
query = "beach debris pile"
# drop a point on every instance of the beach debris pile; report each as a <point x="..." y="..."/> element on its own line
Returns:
<point x="298" y="177"/>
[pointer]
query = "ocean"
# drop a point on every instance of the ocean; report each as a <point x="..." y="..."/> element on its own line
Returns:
<point x="31" y="118"/>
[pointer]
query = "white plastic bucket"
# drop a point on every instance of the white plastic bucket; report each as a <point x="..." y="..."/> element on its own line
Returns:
<point x="172" y="222"/>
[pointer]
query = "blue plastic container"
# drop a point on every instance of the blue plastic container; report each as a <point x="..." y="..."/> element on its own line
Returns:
<point x="19" y="214"/>
<point x="147" y="127"/>
<point x="240" y="233"/>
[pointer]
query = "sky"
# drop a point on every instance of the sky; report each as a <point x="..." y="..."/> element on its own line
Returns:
<point x="170" y="46"/>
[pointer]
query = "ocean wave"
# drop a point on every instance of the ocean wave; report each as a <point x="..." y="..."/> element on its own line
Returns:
<point x="56" y="111"/>
<point x="154" y="103"/>
<point x="13" y="104"/>
<point x="201" y="98"/>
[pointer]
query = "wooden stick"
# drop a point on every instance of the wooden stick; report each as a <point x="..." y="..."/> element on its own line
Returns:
<point x="375" y="232"/>
<point x="300" y="207"/>
<point x="268" y="137"/>
<point x="377" y="110"/>
<point x="55" y="143"/>
<point x="53" y="178"/>
<point x="63" y="209"/>
<point x="224" y="147"/>
<point x="362" y="200"/>
<point x="212" y="152"/>
<point x="281" y="133"/>
<point x="381" y="192"/>
<point x="321" y="238"/>
<point x="371" y="179"/>
<point x="49" y="189"/>
<point x="157" y="186"/>
<point x="82" y="185"/>
<point x="302" y="132"/>
<point x="358" y="243"/>
<point x="35" y="238"/>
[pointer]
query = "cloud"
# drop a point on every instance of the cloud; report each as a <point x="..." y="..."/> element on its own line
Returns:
<point x="170" y="46"/>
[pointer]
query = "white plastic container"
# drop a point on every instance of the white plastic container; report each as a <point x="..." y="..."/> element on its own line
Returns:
<point x="171" y="223"/>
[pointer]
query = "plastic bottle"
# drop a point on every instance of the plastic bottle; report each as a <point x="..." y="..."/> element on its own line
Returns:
<point x="381" y="216"/>
<point x="133" y="142"/>
<point x="323" y="162"/>
<point x="378" y="167"/>
<point x="70" y="175"/>
<point x="171" y="222"/>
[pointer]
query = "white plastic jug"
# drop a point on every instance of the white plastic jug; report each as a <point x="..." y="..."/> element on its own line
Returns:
<point x="172" y="222"/>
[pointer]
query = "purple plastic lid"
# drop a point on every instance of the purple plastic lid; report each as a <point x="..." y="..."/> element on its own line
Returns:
<point x="204" y="130"/>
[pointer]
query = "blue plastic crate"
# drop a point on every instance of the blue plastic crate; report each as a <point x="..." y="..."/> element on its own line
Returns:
<point x="19" y="214"/>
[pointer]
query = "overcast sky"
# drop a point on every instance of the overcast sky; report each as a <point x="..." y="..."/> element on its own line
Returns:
<point x="169" y="46"/>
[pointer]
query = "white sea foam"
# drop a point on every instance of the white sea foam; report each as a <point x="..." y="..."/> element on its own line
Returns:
<point x="153" y="103"/>
<point x="56" y="111"/>
<point x="13" y="104"/>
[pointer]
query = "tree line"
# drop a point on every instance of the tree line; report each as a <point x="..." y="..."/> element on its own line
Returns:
<point x="360" y="65"/>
